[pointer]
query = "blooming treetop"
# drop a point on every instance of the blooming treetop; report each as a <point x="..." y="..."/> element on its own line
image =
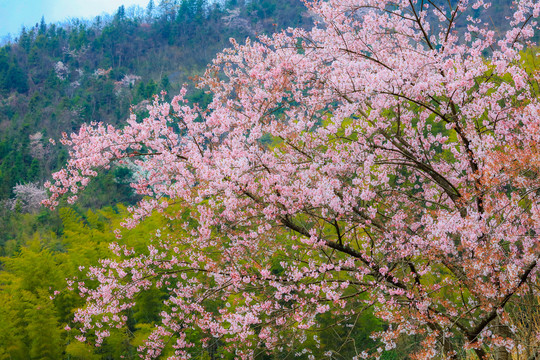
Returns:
<point x="387" y="158"/>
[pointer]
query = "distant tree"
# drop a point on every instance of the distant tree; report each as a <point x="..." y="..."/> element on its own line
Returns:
<point x="120" y="13"/>
<point x="24" y="39"/>
<point x="42" y="26"/>
<point x="29" y="196"/>
<point x="15" y="79"/>
<point x="167" y="9"/>
<point x="150" y="9"/>
<point x="165" y="83"/>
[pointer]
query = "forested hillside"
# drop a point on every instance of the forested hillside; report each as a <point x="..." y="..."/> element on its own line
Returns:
<point x="54" y="78"/>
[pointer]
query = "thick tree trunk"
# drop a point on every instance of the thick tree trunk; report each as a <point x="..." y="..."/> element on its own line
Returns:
<point x="500" y="352"/>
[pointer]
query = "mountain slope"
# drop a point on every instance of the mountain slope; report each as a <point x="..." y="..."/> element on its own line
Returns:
<point x="53" y="78"/>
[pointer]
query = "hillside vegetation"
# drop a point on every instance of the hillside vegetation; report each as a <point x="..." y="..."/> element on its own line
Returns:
<point x="54" y="78"/>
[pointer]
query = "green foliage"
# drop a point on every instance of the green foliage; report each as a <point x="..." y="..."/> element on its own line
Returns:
<point x="14" y="79"/>
<point x="32" y="324"/>
<point x="27" y="312"/>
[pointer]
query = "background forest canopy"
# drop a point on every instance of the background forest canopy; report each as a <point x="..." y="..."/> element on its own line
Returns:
<point x="54" y="78"/>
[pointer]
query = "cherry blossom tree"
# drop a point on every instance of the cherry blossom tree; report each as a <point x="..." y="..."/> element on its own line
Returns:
<point x="387" y="159"/>
<point x="28" y="196"/>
